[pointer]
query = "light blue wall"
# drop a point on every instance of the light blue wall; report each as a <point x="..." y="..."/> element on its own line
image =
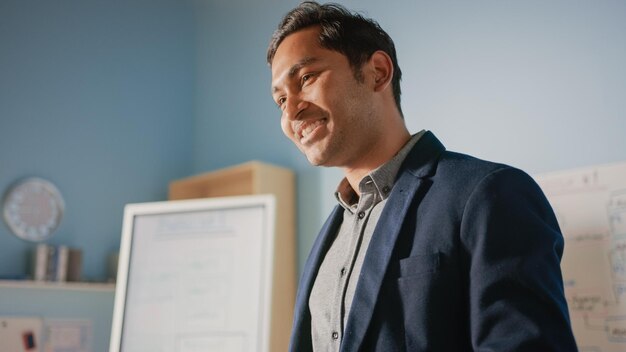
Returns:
<point x="98" y="98"/>
<point x="539" y="84"/>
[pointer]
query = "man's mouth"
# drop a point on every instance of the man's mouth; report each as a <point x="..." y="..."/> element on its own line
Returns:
<point x="307" y="128"/>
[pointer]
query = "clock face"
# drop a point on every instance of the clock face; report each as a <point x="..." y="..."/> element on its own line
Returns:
<point x="33" y="209"/>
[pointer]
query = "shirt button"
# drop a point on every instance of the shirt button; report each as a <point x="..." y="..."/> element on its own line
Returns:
<point x="335" y="335"/>
<point x="361" y="215"/>
<point x="342" y="271"/>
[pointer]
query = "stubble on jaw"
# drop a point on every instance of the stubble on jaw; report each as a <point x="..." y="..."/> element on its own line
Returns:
<point x="349" y="142"/>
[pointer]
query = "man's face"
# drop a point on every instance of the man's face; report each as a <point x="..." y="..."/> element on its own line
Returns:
<point x="326" y="111"/>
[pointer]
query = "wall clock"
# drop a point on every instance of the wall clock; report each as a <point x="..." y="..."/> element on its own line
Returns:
<point x="33" y="209"/>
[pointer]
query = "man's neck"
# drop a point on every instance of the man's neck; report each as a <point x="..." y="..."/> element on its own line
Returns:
<point x="374" y="160"/>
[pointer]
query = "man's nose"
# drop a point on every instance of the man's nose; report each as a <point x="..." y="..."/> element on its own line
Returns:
<point x="293" y="107"/>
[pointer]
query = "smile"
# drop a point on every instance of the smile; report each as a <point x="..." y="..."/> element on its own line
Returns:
<point x="306" y="129"/>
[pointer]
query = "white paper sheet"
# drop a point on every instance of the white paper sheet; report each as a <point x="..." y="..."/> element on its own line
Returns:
<point x="590" y="205"/>
<point x="21" y="334"/>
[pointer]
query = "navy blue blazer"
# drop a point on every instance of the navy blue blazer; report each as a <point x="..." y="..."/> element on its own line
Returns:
<point x="465" y="257"/>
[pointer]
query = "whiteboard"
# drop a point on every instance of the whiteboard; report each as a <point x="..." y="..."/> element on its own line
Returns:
<point x="590" y="205"/>
<point x="195" y="275"/>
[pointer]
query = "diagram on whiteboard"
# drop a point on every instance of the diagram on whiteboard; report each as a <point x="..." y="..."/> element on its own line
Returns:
<point x="590" y="205"/>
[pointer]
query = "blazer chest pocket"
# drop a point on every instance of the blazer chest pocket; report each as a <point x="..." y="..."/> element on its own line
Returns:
<point x="419" y="264"/>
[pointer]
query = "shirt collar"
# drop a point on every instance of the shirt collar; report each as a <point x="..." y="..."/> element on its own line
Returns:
<point x="382" y="178"/>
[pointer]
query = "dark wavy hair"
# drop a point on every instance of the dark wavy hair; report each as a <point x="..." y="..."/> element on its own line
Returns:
<point x="348" y="33"/>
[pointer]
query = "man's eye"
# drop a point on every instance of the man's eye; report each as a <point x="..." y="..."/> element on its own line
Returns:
<point x="307" y="77"/>
<point x="281" y="101"/>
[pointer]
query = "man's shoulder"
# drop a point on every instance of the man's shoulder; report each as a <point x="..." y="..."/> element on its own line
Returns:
<point x="461" y="161"/>
<point x="431" y="159"/>
<point x="465" y="170"/>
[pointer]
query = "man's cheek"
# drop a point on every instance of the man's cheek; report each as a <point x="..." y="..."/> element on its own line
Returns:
<point x="286" y="130"/>
<point x="289" y="133"/>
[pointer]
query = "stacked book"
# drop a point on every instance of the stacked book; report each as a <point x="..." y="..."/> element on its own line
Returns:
<point x="56" y="263"/>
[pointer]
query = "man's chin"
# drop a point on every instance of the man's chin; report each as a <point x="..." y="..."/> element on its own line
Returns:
<point x="316" y="160"/>
<point x="320" y="161"/>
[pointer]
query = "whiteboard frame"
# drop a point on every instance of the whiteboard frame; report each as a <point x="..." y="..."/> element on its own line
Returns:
<point x="267" y="201"/>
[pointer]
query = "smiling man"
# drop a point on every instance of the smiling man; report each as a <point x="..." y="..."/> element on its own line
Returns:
<point x="427" y="249"/>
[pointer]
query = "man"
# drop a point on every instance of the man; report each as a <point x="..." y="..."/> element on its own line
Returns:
<point x="428" y="250"/>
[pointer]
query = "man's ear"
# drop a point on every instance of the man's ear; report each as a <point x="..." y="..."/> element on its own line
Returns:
<point x="382" y="67"/>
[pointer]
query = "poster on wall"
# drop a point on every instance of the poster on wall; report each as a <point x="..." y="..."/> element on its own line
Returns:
<point x="590" y="205"/>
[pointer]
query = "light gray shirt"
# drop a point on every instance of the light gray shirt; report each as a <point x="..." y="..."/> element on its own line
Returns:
<point x="335" y="284"/>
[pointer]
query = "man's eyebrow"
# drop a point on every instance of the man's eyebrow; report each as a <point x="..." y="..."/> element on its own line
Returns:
<point x="298" y="66"/>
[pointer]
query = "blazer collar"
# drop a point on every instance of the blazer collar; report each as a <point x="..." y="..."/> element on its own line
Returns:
<point x="423" y="158"/>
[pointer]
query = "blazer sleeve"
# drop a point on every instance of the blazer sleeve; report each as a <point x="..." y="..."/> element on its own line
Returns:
<point x="514" y="247"/>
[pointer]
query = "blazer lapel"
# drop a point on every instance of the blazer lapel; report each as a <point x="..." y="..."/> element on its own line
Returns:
<point x="301" y="331"/>
<point x="419" y="164"/>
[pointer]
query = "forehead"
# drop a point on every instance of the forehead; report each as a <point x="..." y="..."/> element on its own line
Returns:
<point x="299" y="50"/>
<point x="303" y="38"/>
<point x="296" y="47"/>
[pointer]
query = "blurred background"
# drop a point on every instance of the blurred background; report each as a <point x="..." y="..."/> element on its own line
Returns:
<point x="112" y="100"/>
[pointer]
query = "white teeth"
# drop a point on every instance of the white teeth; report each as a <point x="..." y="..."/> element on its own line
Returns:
<point x="309" y="128"/>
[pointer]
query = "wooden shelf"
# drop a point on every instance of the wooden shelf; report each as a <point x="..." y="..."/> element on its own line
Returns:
<point x="51" y="285"/>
